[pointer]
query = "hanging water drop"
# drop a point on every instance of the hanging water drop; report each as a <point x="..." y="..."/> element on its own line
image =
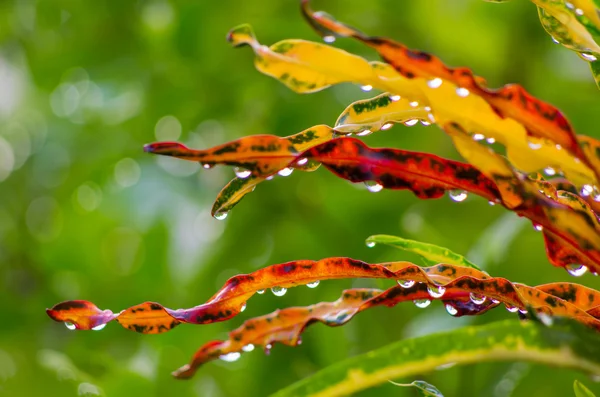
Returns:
<point x="554" y="40"/>
<point x="538" y="228"/>
<point x="414" y="104"/>
<point x="579" y="12"/>
<point x="314" y="284"/>
<point x="436" y="291"/>
<point x="478" y="137"/>
<point x="453" y="311"/>
<point x="512" y="309"/>
<point x="477" y="299"/>
<point x="220" y="215"/>
<point x="302" y="161"/>
<point x="70" y="326"/>
<point x="549" y="171"/>
<point x="462" y="92"/>
<point x="207" y="166"/>
<point x="533" y="145"/>
<point x="241" y="172"/>
<point x="435" y="83"/>
<point x="411" y="122"/>
<point x="286" y="171"/>
<point x="431" y="117"/>
<point x="366" y="88"/>
<point x="395" y="98"/>
<point x="230" y="357"/>
<point x="458" y="195"/>
<point x="425" y="123"/>
<point x="491" y="141"/>
<point x="545" y="319"/>
<point x="370" y="244"/>
<point x="243" y="307"/>
<point x="589" y="57"/>
<point x="364" y="132"/>
<point x="422" y="303"/>
<point x="386" y="126"/>
<point x="576" y="269"/>
<point x="278" y="291"/>
<point x="99" y="327"/>
<point x="587" y="190"/>
<point x="248" y="348"/>
<point x="492" y="203"/>
<point x="406" y="283"/>
<point x="373" y="186"/>
<point x="260" y="291"/>
<point x="329" y="39"/>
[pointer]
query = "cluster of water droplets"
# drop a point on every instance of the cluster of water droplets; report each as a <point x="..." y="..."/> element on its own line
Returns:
<point x="591" y="191"/>
<point x="73" y="327"/>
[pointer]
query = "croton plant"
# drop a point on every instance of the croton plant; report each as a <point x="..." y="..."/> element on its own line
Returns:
<point x="520" y="153"/>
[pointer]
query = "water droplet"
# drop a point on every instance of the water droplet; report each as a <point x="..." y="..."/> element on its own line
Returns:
<point x="411" y="122"/>
<point x="373" y="186"/>
<point x="549" y="171"/>
<point x="579" y="12"/>
<point x="491" y="141"/>
<point x="414" y="104"/>
<point x="576" y="270"/>
<point x="314" y="284"/>
<point x="587" y="190"/>
<point x="545" y="319"/>
<point x="478" y="137"/>
<point x="451" y="309"/>
<point x="370" y="244"/>
<point x="523" y="311"/>
<point x="241" y="172"/>
<point x="386" y="126"/>
<point x="462" y="92"/>
<point x="220" y="215"/>
<point x="366" y="88"/>
<point x="230" y="357"/>
<point x="260" y="291"/>
<point x="329" y="39"/>
<point x="406" y="283"/>
<point x="558" y="147"/>
<point x="435" y="83"/>
<point x="422" y="303"/>
<point x="99" y="327"/>
<point x="269" y="178"/>
<point x="511" y="309"/>
<point x="569" y="5"/>
<point x="436" y="291"/>
<point x="268" y="346"/>
<point x="278" y="291"/>
<point x="248" y="348"/>
<point x="458" y="195"/>
<point x="495" y="301"/>
<point x="533" y="145"/>
<point x="243" y="307"/>
<point x="431" y="117"/>
<point x="207" y="166"/>
<point x="589" y="57"/>
<point x="492" y="203"/>
<point x="554" y="40"/>
<point x="286" y="171"/>
<point x="477" y="299"/>
<point x="70" y="326"/>
<point x="537" y="228"/>
<point x="425" y="123"/>
<point x="395" y="98"/>
<point x="364" y="132"/>
<point x="302" y="161"/>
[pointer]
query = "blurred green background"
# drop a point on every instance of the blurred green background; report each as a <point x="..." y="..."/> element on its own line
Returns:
<point x="85" y="214"/>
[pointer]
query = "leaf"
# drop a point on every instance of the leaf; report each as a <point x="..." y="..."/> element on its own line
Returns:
<point x="581" y="391"/>
<point x="564" y="344"/>
<point x="425" y="389"/>
<point x="433" y="254"/>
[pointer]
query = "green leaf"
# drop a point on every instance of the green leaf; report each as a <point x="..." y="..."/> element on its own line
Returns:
<point x="581" y="390"/>
<point x="564" y="344"/>
<point x="432" y="254"/>
<point x="425" y="389"/>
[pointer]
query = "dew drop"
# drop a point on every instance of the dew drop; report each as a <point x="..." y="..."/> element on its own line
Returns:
<point x="260" y="291"/>
<point x="554" y="40"/>
<point x="549" y="171"/>
<point x="364" y="132"/>
<point x="411" y="122"/>
<point x="395" y="98"/>
<point x="495" y="301"/>
<point x="587" y="190"/>
<point x="243" y="307"/>
<point x="386" y="126"/>
<point x="230" y="357"/>
<point x="269" y="178"/>
<point x="286" y="171"/>
<point x="491" y="141"/>
<point x="537" y="228"/>
<point x="207" y="166"/>
<point x="451" y="309"/>
<point x="425" y="123"/>
<point x="511" y="309"/>
<point x="241" y="172"/>
<point x="458" y="195"/>
<point x="579" y="12"/>
<point x="533" y="145"/>
<point x="558" y="147"/>
<point x="431" y="117"/>
<point x="70" y="326"/>
<point x="478" y="137"/>
<point x="477" y="299"/>
<point x="248" y="348"/>
<point x="278" y="291"/>
<point x="406" y="283"/>
<point x="589" y="57"/>
<point x="422" y="303"/>
<point x="569" y="5"/>
<point x="576" y="270"/>
<point x="302" y="161"/>
<point x="435" y="83"/>
<point x="99" y="327"/>
<point x="414" y="104"/>
<point x="462" y="92"/>
<point x="329" y="39"/>
<point x="373" y="186"/>
<point x="436" y="291"/>
<point x="220" y="215"/>
<point x="366" y="88"/>
<point x="545" y="319"/>
<point x="314" y="284"/>
<point x="370" y="244"/>
<point x="523" y="311"/>
<point x="492" y="203"/>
